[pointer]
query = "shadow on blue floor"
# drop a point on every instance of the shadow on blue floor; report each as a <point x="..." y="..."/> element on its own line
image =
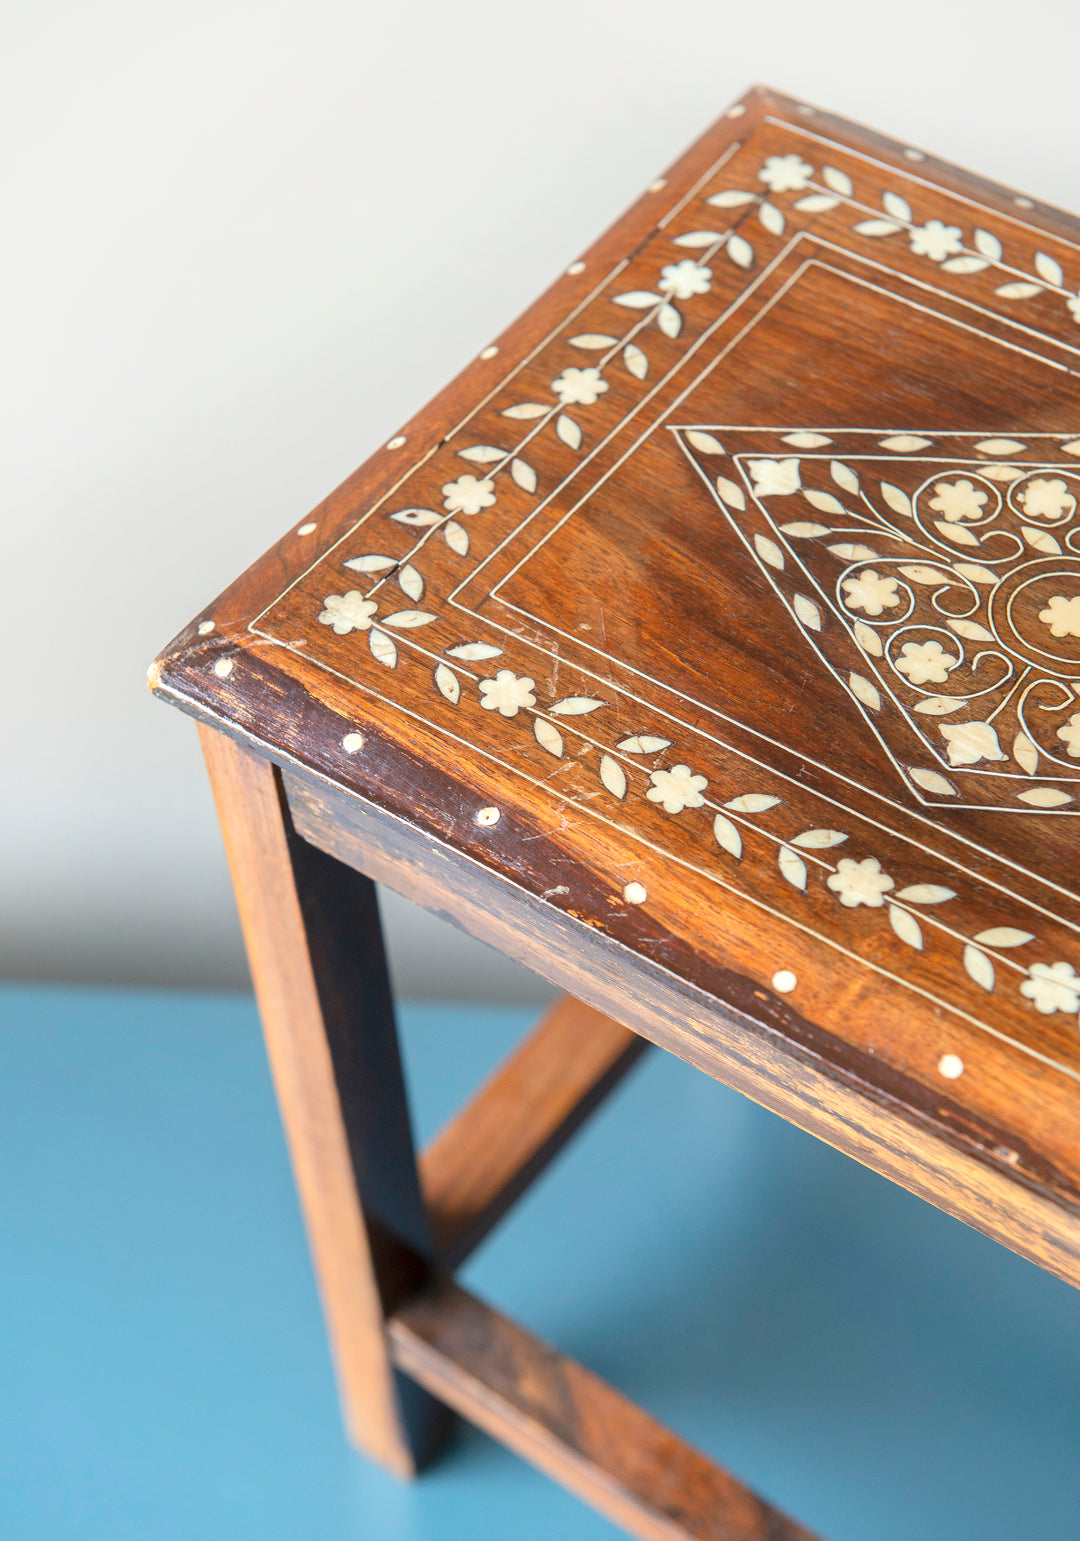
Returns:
<point x="877" y="1369"/>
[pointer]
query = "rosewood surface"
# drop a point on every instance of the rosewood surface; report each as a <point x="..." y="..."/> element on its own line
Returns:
<point x="312" y="932"/>
<point x="574" y="1426"/>
<point x="725" y="615"/>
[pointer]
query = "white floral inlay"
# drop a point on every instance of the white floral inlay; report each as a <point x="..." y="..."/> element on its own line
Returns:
<point x="970" y="742"/>
<point x="786" y="174"/>
<point x="1052" y="987"/>
<point x="854" y="882"/>
<point x="922" y="661"/>
<point x="860" y="882"/>
<point x="507" y="693"/>
<point x="677" y="789"/>
<point x="870" y="592"/>
<point x="468" y="495"/>
<point x="683" y="280"/>
<point x="774" y="478"/>
<point x="958" y="500"/>
<point x="347" y="612"/>
<point x="1046" y="498"/>
<point x="935" y="587"/>
<point x="936" y="240"/>
<point x="1070" y="732"/>
<point x="579" y="387"/>
<point x="1062" y="615"/>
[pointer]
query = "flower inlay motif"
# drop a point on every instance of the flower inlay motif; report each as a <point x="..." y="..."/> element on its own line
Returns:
<point x="936" y="240"/>
<point x="684" y="280"/>
<point x="507" y="693"/>
<point x="969" y="742"/>
<point x="860" y="882"/>
<point x="952" y="563"/>
<point x="1062" y="616"/>
<point x="1070" y="732"/>
<point x="677" y="789"/>
<point x="923" y="661"/>
<point x="870" y="592"/>
<point x="1043" y="498"/>
<point x="468" y="495"/>
<point x="1052" y="987"/>
<point x="785" y="174"/>
<point x="958" y="500"/>
<point x="579" y="387"/>
<point x="347" y="612"/>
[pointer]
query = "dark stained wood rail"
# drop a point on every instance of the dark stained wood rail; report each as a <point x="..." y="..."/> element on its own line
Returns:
<point x="568" y="1422"/>
<point x="519" y="1120"/>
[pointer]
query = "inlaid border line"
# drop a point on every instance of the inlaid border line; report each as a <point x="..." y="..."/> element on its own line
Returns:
<point x="422" y="460"/>
<point x="670" y="857"/>
<point x="660" y="421"/>
<point x="565" y="726"/>
<point x="973" y="203"/>
<point x="716" y="166"/>
<point x="744" y="295"/>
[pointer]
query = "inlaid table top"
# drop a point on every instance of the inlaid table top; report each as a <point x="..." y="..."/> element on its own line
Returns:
<point x="722" y="619"/>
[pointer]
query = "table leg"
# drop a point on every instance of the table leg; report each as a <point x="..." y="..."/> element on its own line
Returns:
<point x="315" y="948"/>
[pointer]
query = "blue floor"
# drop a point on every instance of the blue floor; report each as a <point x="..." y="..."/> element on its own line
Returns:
<point x="879" y="1370"/>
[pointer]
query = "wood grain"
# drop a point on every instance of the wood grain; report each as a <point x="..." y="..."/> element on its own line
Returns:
<point x="712" y="646"/>
<point x="311" y="930"/>
<point x="575" y="1427"/>
<point x="557" y="616"/>
<point x="519" y="1120"/>
<point x="930" y="1144"/>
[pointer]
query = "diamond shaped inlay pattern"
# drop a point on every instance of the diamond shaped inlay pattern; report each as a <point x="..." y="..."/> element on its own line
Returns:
<point x="938" y="577"/>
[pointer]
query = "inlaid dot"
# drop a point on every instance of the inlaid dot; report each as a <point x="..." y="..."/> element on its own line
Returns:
<point x="951" y="1066"/>
<point x="575" y="268"/>
<point x="1023" y="203"/>
<point x="805" y="109"/>
<point x="736" y="111"/>
<point x="352" y="742"/>
<point x="657" y="186"/>
<point x="489" y="352"/>
<point x="205" y="628"/>
<point x="307" y="529"/>
<point x="396" y="442"/>
<point x="914" y="155"/>
<point x="784" y="981"/>
<point x="635" y="893"/>
<point x="488" y="816"/>
<point x="223" y="668"/>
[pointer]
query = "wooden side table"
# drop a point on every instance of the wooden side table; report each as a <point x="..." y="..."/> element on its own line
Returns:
<point x="712" y="646"/>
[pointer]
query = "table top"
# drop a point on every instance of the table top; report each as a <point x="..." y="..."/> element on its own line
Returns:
<point x="729" y="604"/>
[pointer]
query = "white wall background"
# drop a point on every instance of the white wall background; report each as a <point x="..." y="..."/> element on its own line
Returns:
<point x="241" y="242"/>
